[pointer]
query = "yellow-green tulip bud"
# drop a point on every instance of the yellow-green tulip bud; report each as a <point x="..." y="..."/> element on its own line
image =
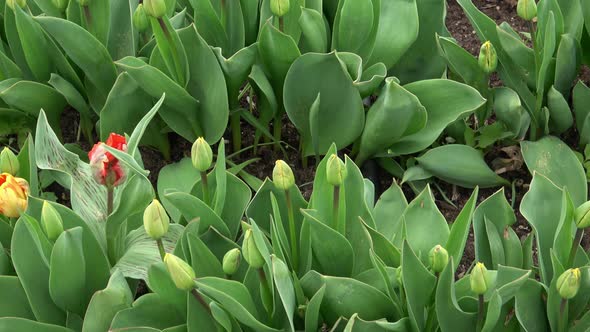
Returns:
<point x="140" y="20"/>
<point x="439" y="258"/>
<point x="488" y="59"/>
<point x="335" y="170"/>
<point x="20" y="3"/>
<point x="279" y="7"/>
<point x="51" y="221"/>
<point x="181" y="273"/>
<point x="251" y="253"/>
<point x="568" y="283"/>
<point x="582" y="215"/>
<point x="60" y="4"/>
<point x="526" y="9"/>
<point x="8" y="162"/>
<point x="201" y="154"/>
<point x="231" y="261"/>
<point x="282" y="175"/>
<point x="155" y="8"/>
<point x="479" y="279"/>
<point x="155" y="220"/>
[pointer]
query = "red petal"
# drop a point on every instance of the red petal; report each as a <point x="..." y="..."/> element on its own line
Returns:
<point x="117" y="141"/>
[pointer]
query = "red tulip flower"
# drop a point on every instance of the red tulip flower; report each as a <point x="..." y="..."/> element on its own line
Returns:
<point x="105" y="167"/>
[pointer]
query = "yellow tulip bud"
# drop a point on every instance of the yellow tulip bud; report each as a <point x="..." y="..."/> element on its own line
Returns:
<point x="279" y="7"/>
<point x="14" y="194"/>
<point x="155" y="8"/>
<point x="568" y="283"/>
<point x="282" y="175"/>
<point x="181" y="273"/>
<point x="488" y="59"/>
<point x="201" y="154"/>
<point x="8" y="162"/>
<point x="51" y="221"/>
<point x="335" y="170"/>
<point x="439" y="258"/>
<point x="155" y="220"/>
<point x="479" y="279"/>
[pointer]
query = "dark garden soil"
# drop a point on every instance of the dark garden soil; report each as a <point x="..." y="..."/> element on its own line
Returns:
<point x="461" y="30"/>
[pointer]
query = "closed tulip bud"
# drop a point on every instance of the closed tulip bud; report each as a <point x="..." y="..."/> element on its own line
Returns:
<point x="282" y="175"/>
<point x="582" y="215"/>
<point x="251" y="253"/>
<point x="14" y="194"/>
<point x="155" y="8"/>
<point x="398" y="276"/>
<point x="8" y="162"/>
<point x="231" y="261"/>
<point x="181" y="273"/>
<point x="84" y="2"/>
<point x="439" y="258"/>
<point x="60" y="4"/>
<point x="51" y="221"/>
<point x="279" y="7"/>
<point x="201" y="154"/>
<point x="155" y="220"/>
<point x="488" y="59"/>
<point x="526" y="9"/>
<point x="140" y="19"/>
<point x="479" y="279"/>
<point x="335" y="171"/>
<point x="20" y="3"/>
<point x="568" y="283"/>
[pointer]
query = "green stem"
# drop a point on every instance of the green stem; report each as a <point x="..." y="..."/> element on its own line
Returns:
<point x="201" y="300"/>
<point x="292" y="231"/>
<point x="88" y="18"/>
<point x="337" y="225"/>
<point x="161" y="249"/>
<point x="480" y="313"/>
<point x="175" y="57"/>
<point x="236" y="131"/>
<point x="562" y="322"/>
<point x="575" y="245"/>
<point x="205" y="185"/>
<point x="110" y="199"/>
<point x="277" y="128"/>
<point x="281" y="24"/>
<point x="534" y="131"/>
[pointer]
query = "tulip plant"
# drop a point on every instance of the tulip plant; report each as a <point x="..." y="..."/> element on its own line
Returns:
<point x="214" y="257"/>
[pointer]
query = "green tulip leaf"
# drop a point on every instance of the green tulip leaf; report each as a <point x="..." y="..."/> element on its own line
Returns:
<point x="105" y="304"/>
<point x="14" y="302"/>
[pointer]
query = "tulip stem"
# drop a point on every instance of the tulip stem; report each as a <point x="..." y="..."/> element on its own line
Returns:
<point x="562" y="322"/>
<point x="575" y="245"/>
<point x="277" y="128"/>
<point x="337" y="225"/>
<point x="205" y="185"/>
<point x="88" y="18"/>
<point x="161" y="248"/>
<point x="292" y="232"/>
<point x="201" y="300"/>
<point x="480" y="312"/>
<point x="236" y="131"/>
<point x="110" y="199"/>
<point x="281" y="24"/>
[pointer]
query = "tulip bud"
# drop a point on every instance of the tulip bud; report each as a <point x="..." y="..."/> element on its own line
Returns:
<point x="20" y="3"/>
<point x="279" y="7"/>
<point x="439" y="258"/>
<point x="181" y="273"/>
<point x="526" y="9"/>
<point x="60" y="4"/>
<point x="398" y="276"/>
<point x="8" y="162"/>
<point x="201" y="154"/>
<point x="155" y="220"/>
<point x="568" y="283"/>
<point x="479" y="279"/>
<point x="84" y="2"/>
<point x="155" y="8"/>
<point x="140" y="19"/>
<point x="488" y="59"/>
<point x="582" y="215"/>
<point x="251" y="253"/>
<point x="335" y="170"/>
<point x="51" y="221"/>
<point x="231" y="261"/>
<point x="14" y="193"/>
<point x="282" y="175"/>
